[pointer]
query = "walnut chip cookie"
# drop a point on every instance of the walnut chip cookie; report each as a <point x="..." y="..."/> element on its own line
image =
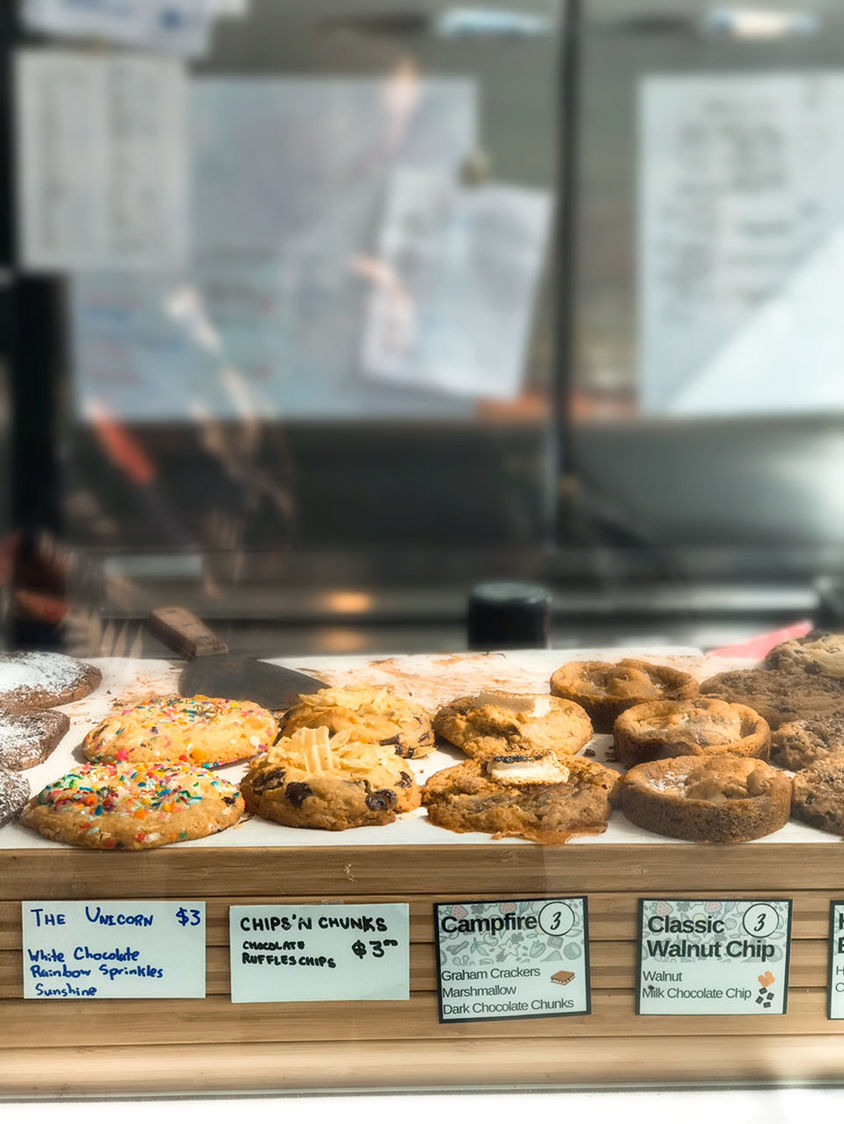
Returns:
<point x="28" y="739"/>
<point x="819" y="795"/>
<point x="38" y="680"/>
<point x="779" y="696"/>
<point x="202" y="730"/>
<point x="314" y="779"/>
<point x="604" y="690"/>
<point x="121" y="806"/>
<point x="709" y="800"/>
<point x="368" y="714"/>
<point x="817" y="653"/>
<point x="797" y="745"/>
<point x="493" y="722"/>
<point x="691" y="727"/>
<point x="547" y="800"/>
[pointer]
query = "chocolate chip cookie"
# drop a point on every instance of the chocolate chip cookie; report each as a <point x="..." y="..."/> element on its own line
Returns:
<point x="797" y="745"/>
<point x="779" y="696"/>
<point x="817" y="653"/>
<point x="819" y="795"/>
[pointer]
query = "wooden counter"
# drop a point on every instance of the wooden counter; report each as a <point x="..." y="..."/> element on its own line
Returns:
<point x="211" y="1046"/>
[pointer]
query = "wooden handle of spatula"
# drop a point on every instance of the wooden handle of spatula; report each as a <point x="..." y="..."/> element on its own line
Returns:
<point x="184" y="632"/>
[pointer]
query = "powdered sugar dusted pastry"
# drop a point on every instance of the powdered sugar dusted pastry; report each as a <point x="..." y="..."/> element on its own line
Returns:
<point x="495" y="722"/>
<point x="368" y="714"/>
<point x="604" y="690"/>
<point x="14" y="793"/>
<point x="710" y="800"/>
<point x="314" y="779"/>
<point x="692" y="727"/>
<point x="819" y="795"/>
<point x="797" y="745"/>
<point x="779" y="696"/>
<point x="198" y="729"/>
<point x="544" y="799"/>
<point x="28" y="739"/>
<point x="817" y="653"/>
<point x="38" y="680"/>
<point x="120" y="806"/>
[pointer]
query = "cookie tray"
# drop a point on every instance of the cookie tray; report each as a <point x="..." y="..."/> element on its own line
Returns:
<point x="137" y="1047"/>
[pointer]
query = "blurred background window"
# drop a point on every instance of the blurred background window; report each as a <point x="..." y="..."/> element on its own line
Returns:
<point x="323" y="312"/>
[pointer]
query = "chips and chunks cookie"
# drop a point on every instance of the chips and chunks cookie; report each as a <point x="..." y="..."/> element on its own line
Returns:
<point x="366" y="713"/>
<point x="496" y="722"/>
<point x="202" y="730"/>
<point x="38" y="680"/>
<point x="318" y="780"/>
<point x="604" y="690"/>
<point x="546" y="800"/>
<point x="27" y="740"/>
<point x="133" y="807"/>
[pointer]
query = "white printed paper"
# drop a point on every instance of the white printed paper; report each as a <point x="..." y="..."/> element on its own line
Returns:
<point x="713" y="957"/>
<point x="113" y="949"/>
<point x="740" y="217"/>
<point x="835" y="1006"/>
<point x="289" y="177"/>
<point x="313" y="953"/>
<point x="512" y="959"/>
<point x="102" y="161"/>
<point x="454" y="284"/>
<point x="178" y="26"/>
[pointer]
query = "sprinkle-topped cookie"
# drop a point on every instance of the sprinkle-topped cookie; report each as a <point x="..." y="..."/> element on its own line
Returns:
<point x="198" y="729"/>
<point x="117" y="805"/>
<point x="38" y="680"/>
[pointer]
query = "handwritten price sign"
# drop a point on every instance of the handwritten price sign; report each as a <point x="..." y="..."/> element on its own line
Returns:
<point x="302" y="953"/>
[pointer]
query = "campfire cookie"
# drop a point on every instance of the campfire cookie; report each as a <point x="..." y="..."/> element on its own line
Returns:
<point x="14" y="793"/>
<point x="312" y="779"/>
<point x="819" y="795"/>
<point x="496" y="722"/>
<point x="544" y="799"/>
<point x="693" y="727"/>
<point x="779" y="696"/>
<point x="367" y="714"/>
<point x="720" y="799"/>
<point x="38" y="680"/>
<point x="797" y="745"/>
<point x="604" y="690"/>
<point x="121" y="806"/>
<point x="817" y="653"/>
<point x="28" y="739"/>
<point x="198" y="729"/>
